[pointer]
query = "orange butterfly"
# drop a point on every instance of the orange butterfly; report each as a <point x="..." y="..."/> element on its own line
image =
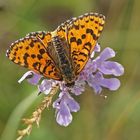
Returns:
<point x="63" y="53"/>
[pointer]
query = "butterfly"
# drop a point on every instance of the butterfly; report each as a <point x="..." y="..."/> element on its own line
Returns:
<point x="62" y="54"/>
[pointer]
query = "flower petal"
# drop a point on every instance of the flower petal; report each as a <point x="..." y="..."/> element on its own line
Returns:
<point x="107" y="53"/>
<point x="97" y="48"/>
<point x="56" y="103"/>
<point x="72" y="104"/>
<point x="79" y="86"/>
<point x="90" y="67"/>
<point x="110" y="67"/>
<point x="93" y="81"/>
<point x="45" y="85"/>
<point x="31" y="77"/>
<point x="112" y="83"/>
<point x="77" y="90"/>
<point x="63" y="115"/>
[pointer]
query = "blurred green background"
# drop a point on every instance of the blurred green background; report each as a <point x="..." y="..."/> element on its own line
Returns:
<point x="117" y="117"/>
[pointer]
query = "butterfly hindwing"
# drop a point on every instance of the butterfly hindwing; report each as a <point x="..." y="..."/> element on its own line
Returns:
<point x="31" y="53"/>
<point x="83" y="33"/>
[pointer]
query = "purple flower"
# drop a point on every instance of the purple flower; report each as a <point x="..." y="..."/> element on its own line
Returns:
<point x="96" y="69"/>
<point x="94" y="74"/>
<point x="64" y="105"/>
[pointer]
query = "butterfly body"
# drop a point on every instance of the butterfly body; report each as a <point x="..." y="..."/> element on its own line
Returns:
<point x="62" y="54"/>
<point x="64" y="61"/>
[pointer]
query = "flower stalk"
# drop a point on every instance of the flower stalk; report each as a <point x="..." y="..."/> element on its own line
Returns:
<point x="36" y="115"/>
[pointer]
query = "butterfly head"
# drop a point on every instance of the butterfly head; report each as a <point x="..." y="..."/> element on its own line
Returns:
<point x="69" y="79"/>
<point x="71" y="84"/>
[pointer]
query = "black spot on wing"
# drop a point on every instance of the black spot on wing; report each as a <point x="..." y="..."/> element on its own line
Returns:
<point x="31" y="44"/>
<point x="73" y="39"/>
<point x="33" y="55"/>
<point x="26" y="55"/>
<point x="76" y="27"/>
<point x="42" y="51"/>
<point x="82" y="26"/>
<point x="83" y="36"/>
<point x="81" y="60"/>
<point x="88" y="44"/>
<point x="90" y="31"/>
<point x="39" y="56"/>
<point x="79" y="41"/>
<point x="36" y="66"/>
<point x="83" y="54"/>
<point x="27" y="48"/>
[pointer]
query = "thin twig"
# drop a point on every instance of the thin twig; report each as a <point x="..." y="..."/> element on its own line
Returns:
<point x="36" y="115"/>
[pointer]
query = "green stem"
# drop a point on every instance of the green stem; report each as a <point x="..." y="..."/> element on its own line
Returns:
<point x="15" y="118"/>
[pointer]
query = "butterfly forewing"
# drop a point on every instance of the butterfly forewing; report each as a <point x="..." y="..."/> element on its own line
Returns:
<point x="44" y="37"/>
<point x="31" y="53"/>
<point x="83" y="33"/>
